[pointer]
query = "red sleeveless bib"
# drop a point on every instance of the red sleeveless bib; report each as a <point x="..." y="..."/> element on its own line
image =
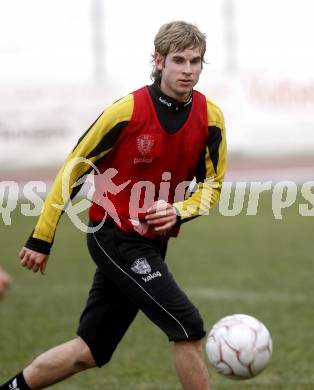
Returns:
<point x="148" y="164"/>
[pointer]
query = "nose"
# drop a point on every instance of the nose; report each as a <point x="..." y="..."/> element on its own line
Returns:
<point x="187" y="68"/>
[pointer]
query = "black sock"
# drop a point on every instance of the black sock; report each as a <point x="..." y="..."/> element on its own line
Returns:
<point x="16" y="383"/>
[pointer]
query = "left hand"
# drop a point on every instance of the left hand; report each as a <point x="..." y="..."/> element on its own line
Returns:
<point x="161" y="217"/>
<point x="33" y="260"/>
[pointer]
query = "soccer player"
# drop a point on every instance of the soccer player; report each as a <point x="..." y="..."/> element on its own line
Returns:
<point x="146" y="149"/>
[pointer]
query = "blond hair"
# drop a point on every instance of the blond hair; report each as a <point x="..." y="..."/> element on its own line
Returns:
<point x="177" y="36"/>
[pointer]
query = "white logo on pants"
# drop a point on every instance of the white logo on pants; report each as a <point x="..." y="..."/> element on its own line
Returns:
<point x="152" y="276"/>
<point x="141" y="266"/>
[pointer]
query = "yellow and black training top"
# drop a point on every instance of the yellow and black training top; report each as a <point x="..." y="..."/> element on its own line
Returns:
<point x="102" y="138"/>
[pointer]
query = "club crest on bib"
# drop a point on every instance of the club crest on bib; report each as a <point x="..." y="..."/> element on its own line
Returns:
<point x="141" y="266"/>
<point x="145" y="144"/>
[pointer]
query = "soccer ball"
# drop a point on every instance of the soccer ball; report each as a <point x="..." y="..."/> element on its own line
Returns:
<point x="239" y="346"/>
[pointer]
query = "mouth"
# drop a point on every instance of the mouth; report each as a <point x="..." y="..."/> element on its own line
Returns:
<point x="185" y="82"/>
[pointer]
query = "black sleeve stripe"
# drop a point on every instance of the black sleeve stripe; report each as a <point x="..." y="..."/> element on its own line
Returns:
<point x="109" y="139"/>
<point x="77" y="188"/>
<point x="200" y="173"/>
<point x="86" y="132"/>
<point x="106" y="143"/>
<point x="180" y="222"/>
<point x="38" y="245"/>
<point x="214" y="140"/>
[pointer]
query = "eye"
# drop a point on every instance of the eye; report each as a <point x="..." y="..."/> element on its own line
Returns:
<point x="178" y="60"/>
<point x="196" y="60"/>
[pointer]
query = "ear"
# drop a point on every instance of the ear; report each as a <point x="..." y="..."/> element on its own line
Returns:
<point x="159" y="61"/>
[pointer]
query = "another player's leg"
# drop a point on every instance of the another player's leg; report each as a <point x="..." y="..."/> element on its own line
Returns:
<point x="53" y="366"/>
<point x="190" y="365"/>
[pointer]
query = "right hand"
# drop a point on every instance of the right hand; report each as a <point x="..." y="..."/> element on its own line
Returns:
<point x="34" y="261"/>
<point x="161" y="217"/>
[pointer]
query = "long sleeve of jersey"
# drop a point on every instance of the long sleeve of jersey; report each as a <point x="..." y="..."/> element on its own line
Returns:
<point x="94" y="145"/>
<point x="97" y="143"/>
<point x="210" y="171"/>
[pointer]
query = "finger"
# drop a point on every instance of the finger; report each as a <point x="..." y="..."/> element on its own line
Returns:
<point x="159" y="206"/>
<point x="25" y="259"/>
<point x="165" y="227"/>
<point x="22" y="253"/>
<point x="152" y="217"/>
<point x="160" y="221"/>
<point x="35" y="267"/>
<point x="43" y="267"/>
<point x="167" y="212"/>
<point x="154" y="210"/>
<point x="30" y="263"/>
<point x="155" y="207"/>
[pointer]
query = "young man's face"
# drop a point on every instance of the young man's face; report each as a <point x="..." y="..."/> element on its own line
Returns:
<point x="180" y="72"/>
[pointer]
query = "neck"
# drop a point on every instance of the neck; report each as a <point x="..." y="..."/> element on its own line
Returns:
<point x="167" y="101"/>
<point x="179" y="98"/>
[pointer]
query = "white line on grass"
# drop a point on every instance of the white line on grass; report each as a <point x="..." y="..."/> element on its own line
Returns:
<point x="250" y="296"/>
<point x="197" y="292"/>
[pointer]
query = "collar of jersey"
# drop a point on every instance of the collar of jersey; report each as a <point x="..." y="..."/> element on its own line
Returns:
<point x="168" y="102"/>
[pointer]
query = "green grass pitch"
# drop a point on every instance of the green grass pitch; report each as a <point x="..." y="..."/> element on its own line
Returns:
<point x="254" y="265"/>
